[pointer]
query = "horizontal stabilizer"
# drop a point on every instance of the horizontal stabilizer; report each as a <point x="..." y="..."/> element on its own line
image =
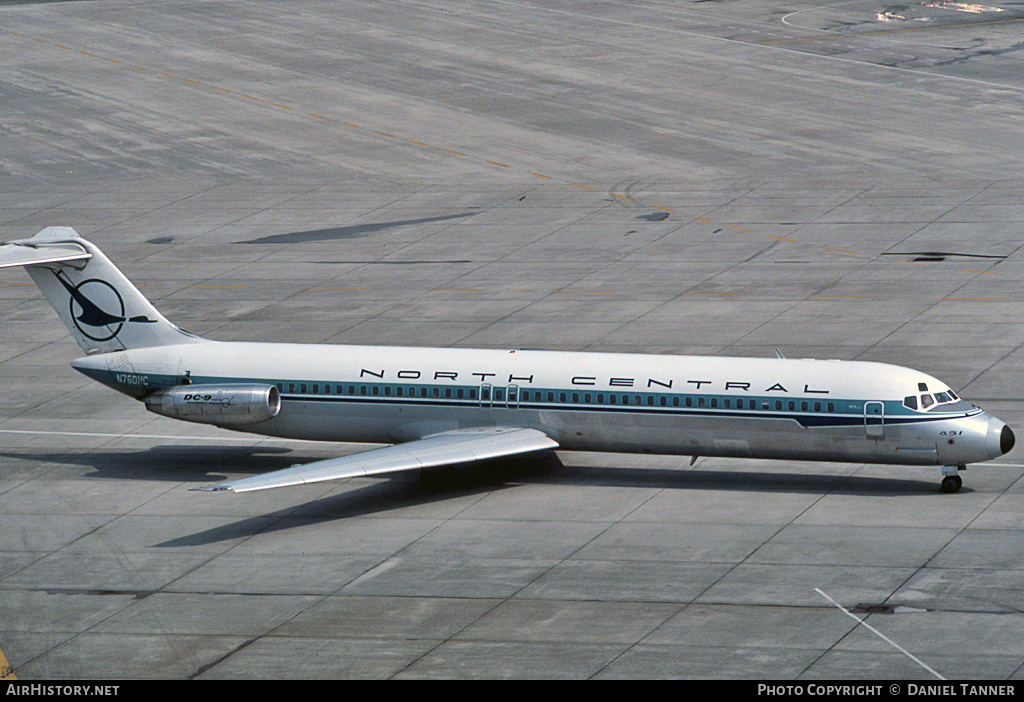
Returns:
<point x="20" y="253"/>
<point x="449" y="448"/>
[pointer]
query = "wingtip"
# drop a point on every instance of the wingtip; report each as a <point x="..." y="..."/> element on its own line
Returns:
<point x="211" y="488"/>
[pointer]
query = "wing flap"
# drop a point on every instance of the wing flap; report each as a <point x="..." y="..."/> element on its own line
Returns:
<point x="449" y="448"/>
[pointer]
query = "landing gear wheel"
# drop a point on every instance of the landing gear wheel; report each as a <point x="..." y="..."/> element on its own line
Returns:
<point x="951" y="484"/>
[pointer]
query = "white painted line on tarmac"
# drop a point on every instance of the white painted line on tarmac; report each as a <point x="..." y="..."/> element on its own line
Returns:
<point x="884" y="637"/>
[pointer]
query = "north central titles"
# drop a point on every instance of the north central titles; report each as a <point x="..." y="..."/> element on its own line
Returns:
<point x="609" y="382"/>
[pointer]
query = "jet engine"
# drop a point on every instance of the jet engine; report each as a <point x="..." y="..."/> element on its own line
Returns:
<point x="223" y="405"/>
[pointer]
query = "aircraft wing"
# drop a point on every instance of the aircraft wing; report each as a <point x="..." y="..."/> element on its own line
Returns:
<point x="449" y="448"/>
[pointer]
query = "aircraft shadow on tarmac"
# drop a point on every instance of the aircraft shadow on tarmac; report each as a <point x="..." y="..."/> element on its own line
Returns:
<point x="351" y="232"/>
<point x="404" y="490"/>
<point x="201" y="465"/>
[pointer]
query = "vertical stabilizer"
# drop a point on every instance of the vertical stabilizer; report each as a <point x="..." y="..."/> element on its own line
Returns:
<point x="99" y="305"/>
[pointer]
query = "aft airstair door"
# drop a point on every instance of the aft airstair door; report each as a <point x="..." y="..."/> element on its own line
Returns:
<point x="874" y="419"/>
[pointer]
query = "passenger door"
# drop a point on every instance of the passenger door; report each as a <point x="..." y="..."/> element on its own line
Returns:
<point x="874" y="419"/>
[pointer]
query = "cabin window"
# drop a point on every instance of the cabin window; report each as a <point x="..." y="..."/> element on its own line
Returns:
<point x="472" y="393"/>
<point x="302" y="388"/>
<point x="675" y="401"/>
<point x="663" y="401"/>
<point x="625" y="399"/>
<point x="803" y="406"/>
<point x="739" y="403"/>
<point x="600" y="398"/>
<point x="499" y="394"/>
<point x="714" y="402"/>
<point x="575" y="397"/>
<point x="561" y="397"/>
<point x="689" y="402"/>
<point x="375" y="389"/>
<point x="280" y="387"/>
<point x="650" y="400"/>
<point x="586" y="398"/>
<point x="778" y="404"/>
<point x="387" y="391"/>
<point x="830" y="407"/>
<point x="551" y="397"/>
<point x="792" y="405"/>
<point x="817" y="406"/>
<point x="764" y="404"/>
<point x="291" y="387"/>
<point x="700" y="401"/>
<point x="447" y="392"/>
<point x="423" y="392"/>
<point x="316" y="388"/>
<point x="437" y="392"/>
<point x="612" y="399"/>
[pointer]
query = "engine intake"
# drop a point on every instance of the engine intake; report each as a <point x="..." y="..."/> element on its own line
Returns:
<point x="223" y="405"/>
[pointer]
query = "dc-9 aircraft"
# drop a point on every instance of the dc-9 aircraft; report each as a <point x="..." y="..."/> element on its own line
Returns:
<point x="444" y="406"/>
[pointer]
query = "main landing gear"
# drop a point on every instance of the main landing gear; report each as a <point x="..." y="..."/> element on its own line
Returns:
<point x="951" y="482"/>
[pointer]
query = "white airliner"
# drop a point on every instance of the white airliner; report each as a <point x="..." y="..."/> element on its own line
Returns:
<point x="443" y="406"/>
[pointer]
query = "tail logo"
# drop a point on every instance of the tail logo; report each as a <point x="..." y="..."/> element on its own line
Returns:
<point x="97" y="305"/>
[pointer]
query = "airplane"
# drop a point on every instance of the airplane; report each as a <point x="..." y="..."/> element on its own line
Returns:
<point x="445" y="406"/>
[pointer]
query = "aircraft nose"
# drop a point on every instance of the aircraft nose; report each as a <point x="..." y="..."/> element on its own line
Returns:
<point x="1001" y="438"/>
<point x="1006" y="439"/>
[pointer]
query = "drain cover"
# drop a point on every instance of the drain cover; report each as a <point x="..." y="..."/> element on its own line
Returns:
<point x="867" y="608"/>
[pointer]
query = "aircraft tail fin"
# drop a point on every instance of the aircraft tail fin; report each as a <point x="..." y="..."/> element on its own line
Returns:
<point x="98" y="304"/>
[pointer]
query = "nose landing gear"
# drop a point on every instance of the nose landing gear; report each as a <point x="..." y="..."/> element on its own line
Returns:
<point x="951" y="482"/>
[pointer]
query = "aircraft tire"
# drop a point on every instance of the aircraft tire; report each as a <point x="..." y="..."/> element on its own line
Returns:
<point x="951" y="484"/>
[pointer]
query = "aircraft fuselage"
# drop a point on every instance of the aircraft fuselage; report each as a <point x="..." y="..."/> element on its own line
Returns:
<point x="798" y="409"/>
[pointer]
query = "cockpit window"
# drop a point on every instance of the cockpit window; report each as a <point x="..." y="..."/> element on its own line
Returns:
<point x="925" y="400"/>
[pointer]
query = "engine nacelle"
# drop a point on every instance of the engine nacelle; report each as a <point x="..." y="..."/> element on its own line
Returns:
<point x="223" y="405"/>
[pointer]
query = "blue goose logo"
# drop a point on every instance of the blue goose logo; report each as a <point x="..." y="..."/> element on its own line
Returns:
<point x="96" y="304"/>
